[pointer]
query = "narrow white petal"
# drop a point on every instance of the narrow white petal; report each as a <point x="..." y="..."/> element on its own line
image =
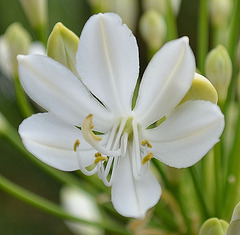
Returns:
<point x="187" y="134"/>
<point x="166" y="80"/>
<point x="51" y="140"/>
<point x="133" y="197"/>
<point x="56" y="89"/>
<point x="107" y="61"/>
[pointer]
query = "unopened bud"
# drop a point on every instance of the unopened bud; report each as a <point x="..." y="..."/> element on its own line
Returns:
<point x="153" y="29"/>
<point x="201" y="89"/>
<point x="17" y="41"/>
<point x="219" y="70"/>
<point x="214" y="226"/>
<point x="234" y="226"/>
<point x="220" y="11"/>
<point x="160" y="6"/>
<point x="62" y="46"/>
<point x="81" y="204"/>
<point x="36" y="12"/>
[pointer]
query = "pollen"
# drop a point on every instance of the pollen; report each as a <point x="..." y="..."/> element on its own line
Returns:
<point x="99" y="158"/>
<point x="146" y="142"/>
<point x="147" y="158"/>
<point x="76" y="145"/>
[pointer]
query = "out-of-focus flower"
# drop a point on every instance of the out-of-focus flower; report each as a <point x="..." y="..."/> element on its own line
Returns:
<point x="16" y="40"/>
<point x="214" y="226"/>
<point x="234" y="226"/>
<point x="126" y="9"/>
<point x="81" y="204"/>
<point x="219" y="70"/>
<point x="161" y="5"/>
<point x="220" y="11"/>
<point x="62" y="46"/>
<point x="36" y="12"/>
<point x="107" y="62"/>
<point x="153" y="29"/>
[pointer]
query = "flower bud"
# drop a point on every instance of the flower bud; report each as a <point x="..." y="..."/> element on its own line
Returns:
<point x="219" y="70"/>
<point x="220" y="11"/>
<point x="17" y="41"/>
<point x="234" y="226"/>
<point x="36" y="12"/>
<point x="83" y="205"/>
<point x="214" y="226"/>
<point x="160" y="6"/>
<point x="62" y="46"/>
<point x="153" y="29"/>
<point x="201" y="89"/>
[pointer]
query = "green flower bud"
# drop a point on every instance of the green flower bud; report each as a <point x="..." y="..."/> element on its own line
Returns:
<point x="153" y="29"/>
<point x="201" y="89"/>
<point x="234" y="226"/>
<point x="220" y="11"/>
<point x="160" y="6"/>
<point x="214" y="226"/>
<point x="219" y="70"/>
<point x="17" y="41"/>
<point x="62" y="46"/>
<point x="36" y="12"/>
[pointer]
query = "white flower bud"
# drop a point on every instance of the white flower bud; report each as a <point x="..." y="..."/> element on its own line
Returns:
<point x="153" y="29"/>
<point x="219" y="70"/>
<point x="214" y="226"/>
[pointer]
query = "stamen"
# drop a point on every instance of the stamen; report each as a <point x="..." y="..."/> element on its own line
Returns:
<point x="146" y="142"/>
<point x="99" y="158"/>
<point x="147" y="158"/>
<point x="87" y="125"/>
<point x="94" y="140"/>
<point x="76" y="145"/>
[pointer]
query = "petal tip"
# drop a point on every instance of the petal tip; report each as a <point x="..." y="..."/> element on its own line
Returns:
<point x="20" y="58"/>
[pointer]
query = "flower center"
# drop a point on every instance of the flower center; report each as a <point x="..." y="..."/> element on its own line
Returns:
<point x="121" y="141"/>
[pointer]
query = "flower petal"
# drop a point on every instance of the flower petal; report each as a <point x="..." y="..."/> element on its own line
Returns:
<point x="59" y="91"/>
<point x="107" y="61"/>
<point x="51" y="140"/>
<point x="133" y="197"/>
<point x="187" y="134"/>
<point x="166" y="80"/>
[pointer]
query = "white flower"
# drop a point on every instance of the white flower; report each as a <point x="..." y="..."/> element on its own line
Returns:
<point x="108" y="64"/>
<point x="83" y="205"/>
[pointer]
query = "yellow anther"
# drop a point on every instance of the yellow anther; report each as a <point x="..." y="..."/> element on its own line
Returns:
<point x="147" y="158"/>
<point x="146" y="142"/>
<point x="99" y="158"/>
<point x="76" y="145"/>
<point x="87" y="126"/>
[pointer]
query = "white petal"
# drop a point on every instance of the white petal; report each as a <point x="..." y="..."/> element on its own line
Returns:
<point x="187" y="134"/>
<point x="56" y="89"/>
<point x="166" y="80"/>
<point x="133" y="197"/>
<point x="107" y="61"/>
<point x="51" y="140"/>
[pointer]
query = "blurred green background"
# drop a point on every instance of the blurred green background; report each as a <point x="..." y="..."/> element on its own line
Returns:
<point x="17" y="218"/>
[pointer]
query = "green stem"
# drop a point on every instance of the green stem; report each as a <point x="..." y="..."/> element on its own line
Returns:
<point x="218" y="178"/>
<point x="202" y="35"/>
<point x="50" y="207"/>
<point x="23" y="103"/>
<point x="232" y="45"/>
<point x="233" y="173"/>
<point x="11" y="135"/>
<point x="199" y="192"/>
<point x="171" y="23"/>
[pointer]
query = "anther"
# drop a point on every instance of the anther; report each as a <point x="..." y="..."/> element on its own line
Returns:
<point x="147" y="158"/>
<point x="76" y="145"/>
<point x="87" y="126"/>
<point x="99" y="158"/>
<point x="146" y="142"/>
